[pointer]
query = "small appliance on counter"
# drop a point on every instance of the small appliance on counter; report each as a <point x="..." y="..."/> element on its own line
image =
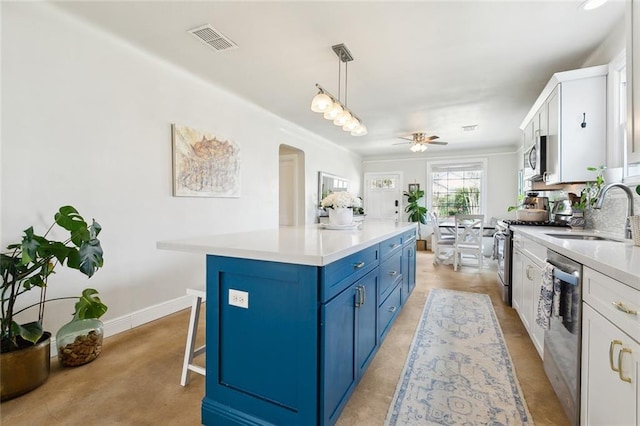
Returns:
<point x="534" y="208"/>
<point x="532" y="201"/>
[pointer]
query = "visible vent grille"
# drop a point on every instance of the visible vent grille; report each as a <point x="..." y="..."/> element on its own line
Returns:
<point x="213" y="38"/>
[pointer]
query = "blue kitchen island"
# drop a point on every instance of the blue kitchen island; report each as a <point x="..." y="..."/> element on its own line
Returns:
<point x="295" y="315"/>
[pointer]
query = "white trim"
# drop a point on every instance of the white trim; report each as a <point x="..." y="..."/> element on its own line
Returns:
<point x="448" y="156"/>
<point x="138" y="318"/>
<point x="616" y="153"/>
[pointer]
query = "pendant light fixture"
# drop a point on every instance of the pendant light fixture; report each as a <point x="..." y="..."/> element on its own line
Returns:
<point x="331" y="107"/>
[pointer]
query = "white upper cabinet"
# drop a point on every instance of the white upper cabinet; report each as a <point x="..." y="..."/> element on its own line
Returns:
<point x="577" y="131"/>
<point x="572" y="112"/>
<point x="633" y="82"/>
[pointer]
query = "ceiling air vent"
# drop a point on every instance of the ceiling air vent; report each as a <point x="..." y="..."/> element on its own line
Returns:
<point x="213" y="38"/>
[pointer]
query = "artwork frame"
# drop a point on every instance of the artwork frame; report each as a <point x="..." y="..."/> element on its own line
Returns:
<point x="414" y="187"/>
<point x="203" y="164"/>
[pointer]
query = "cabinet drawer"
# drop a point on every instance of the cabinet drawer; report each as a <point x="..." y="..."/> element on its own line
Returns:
<point x="390" y="273"/>
<point x="611" y="298"/>
<point x="340" y="274"/>
<point x="536" y="252"/>
<point x="409" y="237"/>
<point x="390" y="246"/>
<point x="388" y="310"/>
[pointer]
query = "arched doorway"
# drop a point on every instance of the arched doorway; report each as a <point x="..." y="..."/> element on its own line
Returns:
<point x="291" y="186"/>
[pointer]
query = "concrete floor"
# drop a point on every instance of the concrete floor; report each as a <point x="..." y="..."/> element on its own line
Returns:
<point x="137" y="382"/>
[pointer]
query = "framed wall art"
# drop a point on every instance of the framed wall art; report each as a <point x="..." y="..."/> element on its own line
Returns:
<point x="203" y="165"/>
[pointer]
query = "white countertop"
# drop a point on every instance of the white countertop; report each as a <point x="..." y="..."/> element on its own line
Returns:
<point x="618" y="260"/>
<point x="303" y="245"/>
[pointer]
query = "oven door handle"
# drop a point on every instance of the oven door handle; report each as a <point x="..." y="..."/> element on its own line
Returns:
<point x="565" y="276"/>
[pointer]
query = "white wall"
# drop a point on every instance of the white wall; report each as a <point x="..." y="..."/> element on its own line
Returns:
<point x="502" y="177"/>
<point x="86" y="121"/>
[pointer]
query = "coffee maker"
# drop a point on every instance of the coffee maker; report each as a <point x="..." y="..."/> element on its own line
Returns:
<point x="532" y="201"/>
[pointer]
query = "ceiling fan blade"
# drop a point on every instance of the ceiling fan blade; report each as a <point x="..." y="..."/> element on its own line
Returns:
<point x="432" y="138"/>
<point x="401" y="143"/>
<point x="410" y="139"/>
<point x="438" y="143"/>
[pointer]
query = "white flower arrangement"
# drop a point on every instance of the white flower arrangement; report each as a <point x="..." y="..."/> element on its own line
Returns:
<point x="341" y="199"/>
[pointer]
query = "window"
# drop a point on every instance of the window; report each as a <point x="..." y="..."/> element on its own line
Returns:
<point x="383" y="183"/>
<point x="457" y="188"/>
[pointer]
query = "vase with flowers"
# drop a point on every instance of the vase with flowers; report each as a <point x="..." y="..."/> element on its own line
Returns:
<point x="340" y="207"/>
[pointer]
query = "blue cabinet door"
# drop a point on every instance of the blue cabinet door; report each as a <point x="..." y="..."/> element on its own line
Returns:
<point x="366" y="320"/>
<point x="338" y="354"/>
<point x="408" y="270"/>
<point x="262" y="359"/>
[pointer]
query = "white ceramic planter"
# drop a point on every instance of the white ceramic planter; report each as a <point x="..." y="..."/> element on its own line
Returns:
<point x="341" y="216"/>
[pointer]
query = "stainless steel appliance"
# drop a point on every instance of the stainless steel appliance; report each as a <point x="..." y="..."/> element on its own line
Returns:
<point x="532" y="201"/>
<point x="535" y="160"/>
<point x="563" y="339"/>
<point x="503" y="250"/>
<point x="562" y="211"/>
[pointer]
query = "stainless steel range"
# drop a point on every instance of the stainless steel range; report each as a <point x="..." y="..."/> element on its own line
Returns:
<point x="504" y="251"/>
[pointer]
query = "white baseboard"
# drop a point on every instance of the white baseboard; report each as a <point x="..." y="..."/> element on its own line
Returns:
<point x="137" y="318"/>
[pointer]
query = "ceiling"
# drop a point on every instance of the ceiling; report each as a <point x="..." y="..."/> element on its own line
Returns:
<point x="431" y="66"/>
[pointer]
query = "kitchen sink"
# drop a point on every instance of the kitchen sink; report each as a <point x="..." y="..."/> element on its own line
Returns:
<point x="584" y="237"/>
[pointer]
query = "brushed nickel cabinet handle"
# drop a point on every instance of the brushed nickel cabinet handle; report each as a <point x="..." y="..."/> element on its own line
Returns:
<point x="620" y="355"/>
<point x="364" y="295"/>
<point x="358" y="265"/>
<point x="392" y="309"/>
<point x="612" y="345"/>
<point x="358" y="297"/>
<point x="393" y="273"/>
<point x="620" y="306"/>
<point x="394" y="245"/>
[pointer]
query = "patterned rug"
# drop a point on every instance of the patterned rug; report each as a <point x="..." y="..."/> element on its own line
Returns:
<point x="458" y="371"/>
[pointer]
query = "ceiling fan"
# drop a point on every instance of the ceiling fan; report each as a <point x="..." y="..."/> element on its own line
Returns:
<point x="420" y="140"/>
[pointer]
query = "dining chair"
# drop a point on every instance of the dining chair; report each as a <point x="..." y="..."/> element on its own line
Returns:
<point x="442" y="246"/>
<point x="470" y="228"/>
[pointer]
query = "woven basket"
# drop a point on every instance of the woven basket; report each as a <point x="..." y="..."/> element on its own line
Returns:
<point x="635" y="229"/>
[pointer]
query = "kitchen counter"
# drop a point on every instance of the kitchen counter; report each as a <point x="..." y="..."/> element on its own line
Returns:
<point x="295" y="315"/>
<point x="302" y="245"/>
<point x="618" y="259"/>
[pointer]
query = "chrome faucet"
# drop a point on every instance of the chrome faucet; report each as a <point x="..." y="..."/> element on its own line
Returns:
<point x="627" y="190"/>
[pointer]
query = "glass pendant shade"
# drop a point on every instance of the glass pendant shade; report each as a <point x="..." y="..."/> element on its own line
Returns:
<point x="332" y="113"/>
<point x="351" y="125"/>
<point x="342" y="119"/>
<point x="321" y="103"/>
<point x="361" y="130"/>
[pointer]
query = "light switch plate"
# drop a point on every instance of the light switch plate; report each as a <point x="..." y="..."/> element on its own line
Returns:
<point x="239" y="298"/>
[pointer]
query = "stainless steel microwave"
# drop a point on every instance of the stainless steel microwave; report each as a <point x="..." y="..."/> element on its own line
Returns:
<point x="535" y="159"/>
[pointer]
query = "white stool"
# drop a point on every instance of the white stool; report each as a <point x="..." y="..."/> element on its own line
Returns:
<point x="190" y="351"/>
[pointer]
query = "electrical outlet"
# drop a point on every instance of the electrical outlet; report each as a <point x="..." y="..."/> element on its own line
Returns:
<point x="239" y="298"/>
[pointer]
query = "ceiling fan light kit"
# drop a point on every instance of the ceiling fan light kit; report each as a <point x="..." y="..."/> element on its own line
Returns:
<point x="420" y="140"/>
<point x="331" y="107"/>
<point x="418" y="147"/>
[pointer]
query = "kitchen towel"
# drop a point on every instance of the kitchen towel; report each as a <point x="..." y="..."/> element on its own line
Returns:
<point x="549" y="302"/>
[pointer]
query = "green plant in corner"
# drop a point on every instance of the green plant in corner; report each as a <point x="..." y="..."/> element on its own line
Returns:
<point x="591" y="189"/>
<point x="28" y="264"/>
<point x="417" y="213"/>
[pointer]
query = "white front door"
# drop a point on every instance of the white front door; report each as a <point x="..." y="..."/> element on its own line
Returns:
<point x="383" y="195"/>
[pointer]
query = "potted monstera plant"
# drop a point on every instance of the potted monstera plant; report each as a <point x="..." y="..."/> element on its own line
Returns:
<point x="26" y="266"/>
<point x="417" y="213"/>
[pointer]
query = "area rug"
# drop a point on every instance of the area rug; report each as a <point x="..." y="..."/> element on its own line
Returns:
<point x="458" y="371"/>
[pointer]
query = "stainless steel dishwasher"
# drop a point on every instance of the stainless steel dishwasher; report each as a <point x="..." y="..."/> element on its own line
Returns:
<point x="562" y="341"/>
